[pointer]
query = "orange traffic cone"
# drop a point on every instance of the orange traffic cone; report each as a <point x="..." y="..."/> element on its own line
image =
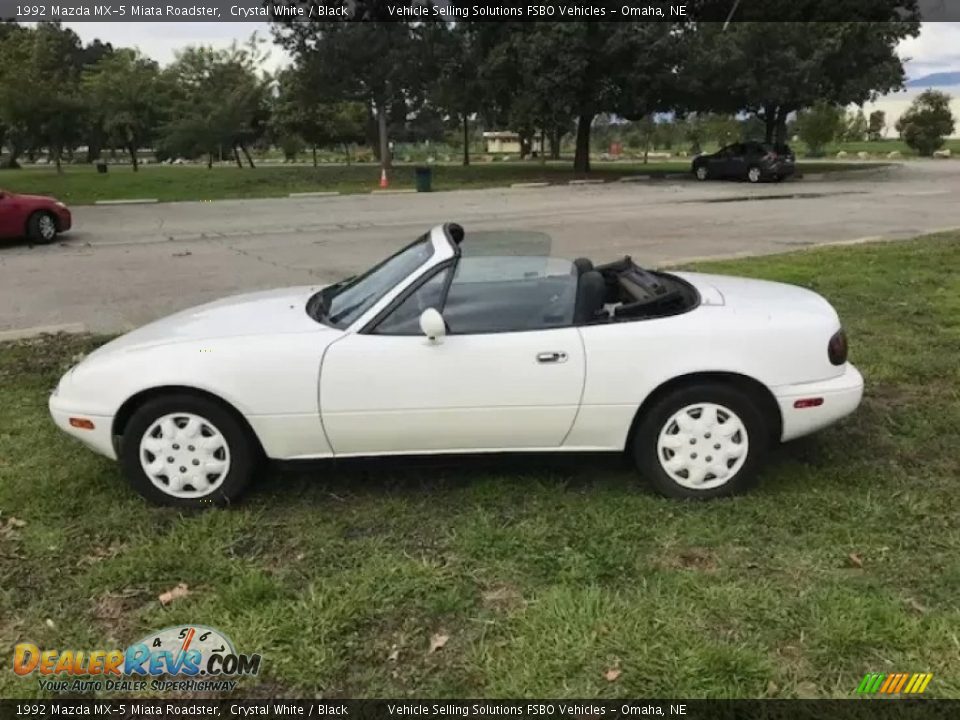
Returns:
<point x="383" y="179"/>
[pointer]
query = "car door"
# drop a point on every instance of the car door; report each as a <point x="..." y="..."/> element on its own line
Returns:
<point x="499" y="380"/>
<point x="719" y="161"/>
<point x="736" y="163"/>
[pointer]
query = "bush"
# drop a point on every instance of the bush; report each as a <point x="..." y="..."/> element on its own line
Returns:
<point x="927" y="122"/>
<point x="818" y="126"/>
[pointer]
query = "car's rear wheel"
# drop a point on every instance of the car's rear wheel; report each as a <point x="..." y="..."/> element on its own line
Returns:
<point x="42" y="228"/>
<point x="754" y="174"/>
<point x="701" y="173"/>
<point x="188" y="451"/>
<point x="701" y="441"/>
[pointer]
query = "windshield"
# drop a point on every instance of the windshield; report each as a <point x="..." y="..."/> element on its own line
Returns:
<point x="339" y="305"/>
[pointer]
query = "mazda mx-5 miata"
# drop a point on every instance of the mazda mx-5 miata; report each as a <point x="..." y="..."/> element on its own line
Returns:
<point x="468" y="343"/>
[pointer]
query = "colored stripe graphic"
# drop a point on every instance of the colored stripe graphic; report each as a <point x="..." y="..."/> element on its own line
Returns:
<point x="894" y="683"/>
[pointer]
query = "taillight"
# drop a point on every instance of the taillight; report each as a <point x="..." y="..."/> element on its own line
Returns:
<point x="837" y="348"/>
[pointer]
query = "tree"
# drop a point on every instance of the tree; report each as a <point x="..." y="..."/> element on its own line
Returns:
<point x="130" y="96"/>
<point x="775" y="68"/>
<point x="854" y="127"/>
<point x="220" y="100"/>
<point x="457" y="56"/>
<point x="876" y="125"/>
<point x="301" y="112"/>
<point x="927" y="122"/>
<point x="371" y="62"/>
<point x="818" y="126"/>
<point x="40" y="103"/>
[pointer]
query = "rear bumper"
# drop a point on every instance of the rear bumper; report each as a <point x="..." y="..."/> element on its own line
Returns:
<point x="841" y="396"/>
<point x="779" y="169"/>
<point x="99" y="439"/>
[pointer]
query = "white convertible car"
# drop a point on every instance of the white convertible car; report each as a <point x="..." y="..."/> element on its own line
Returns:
<point x="464" y="343"/>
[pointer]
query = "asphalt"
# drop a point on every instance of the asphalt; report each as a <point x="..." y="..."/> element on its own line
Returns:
<point x="123" y="266"/>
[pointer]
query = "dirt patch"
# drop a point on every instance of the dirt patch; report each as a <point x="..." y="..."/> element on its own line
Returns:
<point x="502" y="598"/>
<point x="692" y="558"/>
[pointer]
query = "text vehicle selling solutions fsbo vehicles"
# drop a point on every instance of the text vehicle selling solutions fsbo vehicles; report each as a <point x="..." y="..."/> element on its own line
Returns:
<point x="468" y="343"/>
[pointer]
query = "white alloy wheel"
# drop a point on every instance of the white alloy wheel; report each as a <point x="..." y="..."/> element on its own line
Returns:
<point x="47" y="227"/>
<point x="702" y="172"/>
<point x="702" y="446"/>
<point x="753" y="174"/>
<point x="184" y="455"/>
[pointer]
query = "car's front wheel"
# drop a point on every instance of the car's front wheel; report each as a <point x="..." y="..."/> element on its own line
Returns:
<point x="188" y="451"/>
<point x="701" y="173"/>
<point x="42" y="228"/>
<point x="754" y="174"/>
<point x="701" y="441"/>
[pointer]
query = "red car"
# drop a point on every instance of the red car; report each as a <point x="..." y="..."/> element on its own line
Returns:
<point x="35" y="217"/>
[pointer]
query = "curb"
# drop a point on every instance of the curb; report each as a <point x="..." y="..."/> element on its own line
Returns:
<point x="401" y="191"/>
<point x="585" y="182"/>
<point x="330" y="193"/>
<point x="530" y="185"/>
<point x="31" y="332"/>
<point x="634" y="178"/>
<point x="139" y="201"/>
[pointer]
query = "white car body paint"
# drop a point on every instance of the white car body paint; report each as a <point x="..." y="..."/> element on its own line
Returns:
<point x="310" y="391"/>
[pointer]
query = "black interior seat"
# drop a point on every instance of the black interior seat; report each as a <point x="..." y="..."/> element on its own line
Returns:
<point x="591" y="292"/>
<point x="583" y="265"/>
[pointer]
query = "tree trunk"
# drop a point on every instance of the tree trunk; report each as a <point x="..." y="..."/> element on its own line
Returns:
<point x="56" y="159"/>
<point x="236" y="157"/>
<point x="210" y="160"/>
<point x="382" y="132"/>
<point x="247" y="155"/>
<point x="133" y="157"/>
<point x="11" y="162"/>
<point x="543" y="146"/>
<point x="780" y="130"/>
<point x="466" y="140"/>
<point x="769" y="122"/>
<point x="314" y="155"/>
<point x="581" y="159"/>
<point x="555" y="144"/>
<point x="346" y="152"/>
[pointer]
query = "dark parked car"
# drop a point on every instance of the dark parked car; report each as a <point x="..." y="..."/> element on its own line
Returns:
<point x="35" y="217"/>
<point x="751" y="161"/>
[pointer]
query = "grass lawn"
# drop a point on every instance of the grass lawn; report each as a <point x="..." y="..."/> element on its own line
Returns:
<point x="81" y="185"/>
<point x="543" y="573"/>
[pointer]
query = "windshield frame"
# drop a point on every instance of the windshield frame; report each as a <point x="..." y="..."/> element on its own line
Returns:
<point x="442" y="248"/>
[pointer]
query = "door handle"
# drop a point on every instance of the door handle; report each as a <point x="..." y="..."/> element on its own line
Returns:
<point x="551" y="357"/>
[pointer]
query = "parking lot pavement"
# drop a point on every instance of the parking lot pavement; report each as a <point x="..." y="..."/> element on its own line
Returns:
<point x="126" y="265"/>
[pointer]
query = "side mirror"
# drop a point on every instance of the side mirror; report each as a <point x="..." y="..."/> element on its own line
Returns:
<point x="432" y="325"/>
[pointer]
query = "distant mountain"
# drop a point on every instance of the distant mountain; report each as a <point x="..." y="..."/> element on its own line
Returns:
<point x="939" y="79"/>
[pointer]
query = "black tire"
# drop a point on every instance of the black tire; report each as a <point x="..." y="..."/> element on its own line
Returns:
<point x="644" y="443"/>
<point x="244" y="452"/>
<point x="701" y="176"/>
<point x="42" y="228"/>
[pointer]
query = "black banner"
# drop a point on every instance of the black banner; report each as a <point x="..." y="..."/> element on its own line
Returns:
<point x="861" y="709"/>
<point x="478" y="10"/>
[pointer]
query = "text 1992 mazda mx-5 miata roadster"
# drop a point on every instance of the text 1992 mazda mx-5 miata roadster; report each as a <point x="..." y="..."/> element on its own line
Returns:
<point x="463" y="343"/>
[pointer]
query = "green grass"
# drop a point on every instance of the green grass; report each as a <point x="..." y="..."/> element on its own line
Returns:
<point x="543" y="572"/>
<point x="81" y="185"/>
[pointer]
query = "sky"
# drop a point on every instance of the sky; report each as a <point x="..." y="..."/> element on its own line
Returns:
<point x="937" y="49"/>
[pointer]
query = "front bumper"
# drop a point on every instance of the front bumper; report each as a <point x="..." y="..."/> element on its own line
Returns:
<point x="841" y="396"/>
<point x="64" y="219"/>
<point x="99" y="439"/>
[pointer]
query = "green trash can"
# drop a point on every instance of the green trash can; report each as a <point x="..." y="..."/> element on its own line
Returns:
<point x="424" y="178"/>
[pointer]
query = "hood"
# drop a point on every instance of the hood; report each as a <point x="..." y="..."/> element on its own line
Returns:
<point x="32" y="198"/>
<point x="759" y="295"/>
<point x="270" y="312"/>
